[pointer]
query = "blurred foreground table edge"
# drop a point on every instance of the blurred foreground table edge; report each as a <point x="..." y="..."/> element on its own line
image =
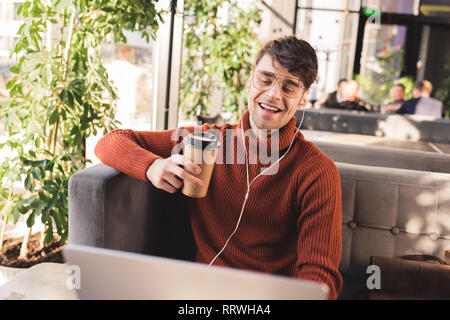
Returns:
<point x="44" y="281"/>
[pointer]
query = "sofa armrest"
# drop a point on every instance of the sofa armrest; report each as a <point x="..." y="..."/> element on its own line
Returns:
<point x="109" y="209"/>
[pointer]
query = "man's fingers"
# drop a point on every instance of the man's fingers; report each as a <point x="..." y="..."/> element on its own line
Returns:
<point x="187" y="163"/>
<point x="171" y="170"/>
<point x="167" y="187"/>
<point x="183" y="174"/>
<point x="174" y="181"/>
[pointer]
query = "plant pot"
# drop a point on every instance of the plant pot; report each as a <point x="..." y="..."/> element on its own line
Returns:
<point x="9" y="255"/>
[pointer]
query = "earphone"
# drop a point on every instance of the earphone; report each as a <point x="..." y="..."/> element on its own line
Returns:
<point x="247" y="171"/>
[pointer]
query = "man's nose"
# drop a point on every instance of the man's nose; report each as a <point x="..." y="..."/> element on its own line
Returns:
<point x="275" y="91"/>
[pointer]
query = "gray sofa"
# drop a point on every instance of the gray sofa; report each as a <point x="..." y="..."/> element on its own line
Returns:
<point x="401" y="127"/>
<point x="385" y="156"/>
<point x="386" y="212"/>
<point x="390" y="212"/>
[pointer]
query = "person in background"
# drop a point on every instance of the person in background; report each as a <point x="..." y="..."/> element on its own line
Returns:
<point x="334" y="97"/>
<point x="350" y="98"/>
<point x="422" y="103"/>
<point x="398" y="96"/>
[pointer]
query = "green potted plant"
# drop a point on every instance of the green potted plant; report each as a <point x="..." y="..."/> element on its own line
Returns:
<point x="57" y="99"/>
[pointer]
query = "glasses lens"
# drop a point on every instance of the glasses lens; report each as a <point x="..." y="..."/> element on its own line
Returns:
<point x="290" y="88"/>
<point x="264" y="80"/>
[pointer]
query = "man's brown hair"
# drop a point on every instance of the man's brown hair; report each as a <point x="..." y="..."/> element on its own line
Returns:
<point x="399" y="85"/>
<point x="294" y="54"/>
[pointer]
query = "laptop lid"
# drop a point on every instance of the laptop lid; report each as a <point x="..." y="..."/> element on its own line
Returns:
<point x="111" y="274"/>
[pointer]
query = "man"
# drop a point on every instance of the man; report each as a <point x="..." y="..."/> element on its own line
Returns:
<point x="398" y="96"/>
<point x="291" y="220"/>
<point x="350" y="98"/>
<point x="422" y="103"/>
<point x="334" y="97"/>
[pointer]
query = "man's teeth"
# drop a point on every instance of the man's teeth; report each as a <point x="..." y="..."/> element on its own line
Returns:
<point x="265" y="106"/>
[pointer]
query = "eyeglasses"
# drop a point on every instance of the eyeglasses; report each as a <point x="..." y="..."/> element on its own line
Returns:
<point x="265" y="80"/>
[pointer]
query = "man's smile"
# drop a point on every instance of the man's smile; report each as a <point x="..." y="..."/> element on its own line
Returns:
<point x="269" y="107"/>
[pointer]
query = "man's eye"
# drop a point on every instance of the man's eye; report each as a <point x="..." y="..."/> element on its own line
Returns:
<point x="289" y="88"/>
<point x="266" y="81"/>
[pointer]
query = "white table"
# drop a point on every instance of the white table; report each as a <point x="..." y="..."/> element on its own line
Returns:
<point x="44" y="281"/>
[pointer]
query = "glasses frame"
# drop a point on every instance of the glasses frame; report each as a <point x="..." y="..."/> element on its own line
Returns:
<point x="277" y="78"/>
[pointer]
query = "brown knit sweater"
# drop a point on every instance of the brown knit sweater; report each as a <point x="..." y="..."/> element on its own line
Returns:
<point x="291" y="224"/>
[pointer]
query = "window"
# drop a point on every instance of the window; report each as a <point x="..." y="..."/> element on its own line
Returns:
<point x="331" y="28"/>
<point x="130" y="68"/>
<point x="392" y="6"/>
<point x="9" y="24"/>
<point x="332" y="5"/>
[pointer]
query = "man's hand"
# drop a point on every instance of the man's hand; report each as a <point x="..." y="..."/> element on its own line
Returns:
<point x="167" y="174"/>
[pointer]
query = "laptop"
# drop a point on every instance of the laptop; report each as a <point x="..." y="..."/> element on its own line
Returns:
<point x="111" y="274"/>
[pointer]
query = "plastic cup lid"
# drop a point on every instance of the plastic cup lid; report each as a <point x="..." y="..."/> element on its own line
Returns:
<point x="202" y="140"/>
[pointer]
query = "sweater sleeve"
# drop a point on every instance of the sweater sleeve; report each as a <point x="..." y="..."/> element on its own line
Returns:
<point x="132" y="152"/>
<point x="319" y="227"/>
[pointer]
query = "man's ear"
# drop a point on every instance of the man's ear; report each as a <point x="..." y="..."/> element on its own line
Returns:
<point x="303" y="100"/>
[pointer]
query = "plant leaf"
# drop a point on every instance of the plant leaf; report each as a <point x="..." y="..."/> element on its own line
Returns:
<point x="28" y="183"/>
<point x="53" y="117"/>
<point x="63" y="95"/>
<point x="36" y="174"/>
<point x="31" y="219"/>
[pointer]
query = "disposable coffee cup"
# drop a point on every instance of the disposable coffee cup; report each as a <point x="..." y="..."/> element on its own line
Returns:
<point x="202" y="149"/>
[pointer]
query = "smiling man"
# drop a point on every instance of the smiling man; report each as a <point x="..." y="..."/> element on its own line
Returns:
<point x="287" y="222"/>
